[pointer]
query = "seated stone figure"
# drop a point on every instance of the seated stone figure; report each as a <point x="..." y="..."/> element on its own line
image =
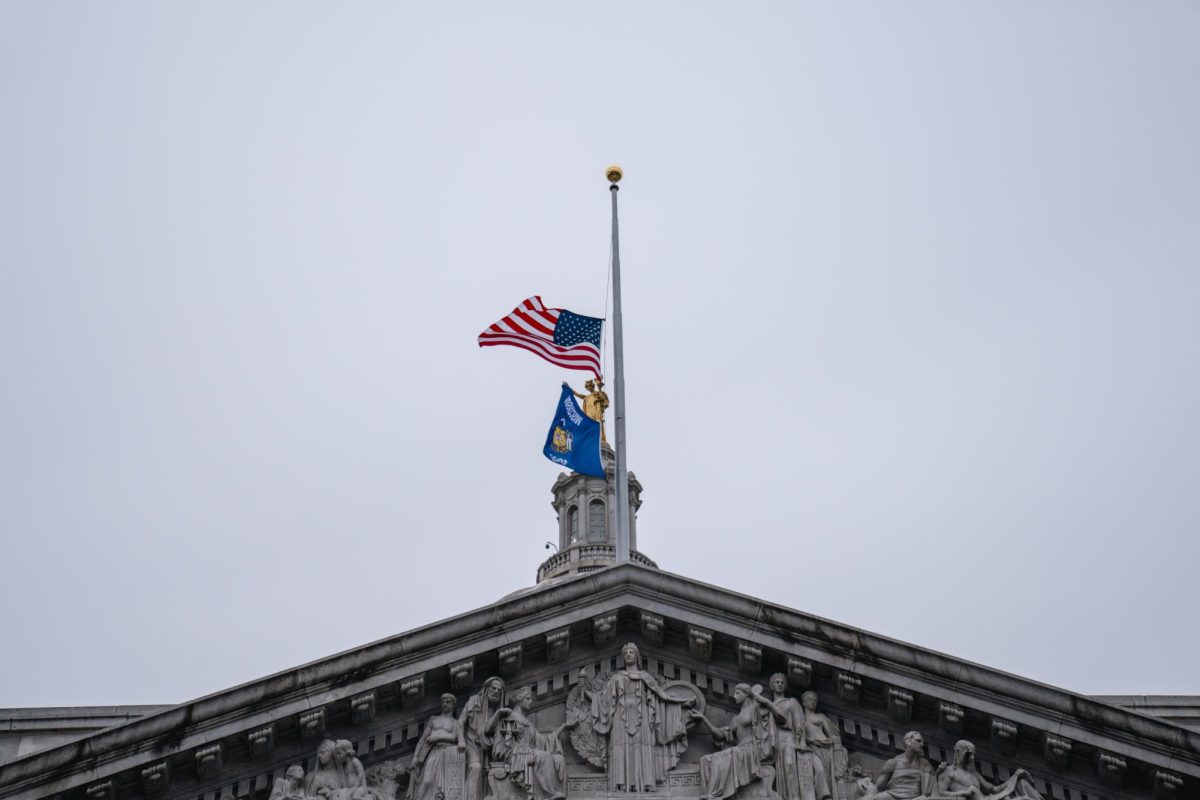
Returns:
<point x="750" y="739"/>
<point x="526" y="764"/>
<point x="907" y="776"/>
<point x="353" y="774"/>
<point x="961" y="780"/>
<point x="290" y="786"/>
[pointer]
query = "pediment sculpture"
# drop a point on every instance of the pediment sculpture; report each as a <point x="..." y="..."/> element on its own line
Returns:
<point x="629" y="725"/>
<point x="634" y="727"/>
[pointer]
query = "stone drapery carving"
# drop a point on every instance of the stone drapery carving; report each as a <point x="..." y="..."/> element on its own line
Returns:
<point x="439" y="764"/>
<point x="960" y="779"/>
<point x="629" y="725"/>
<point x="526" y="764"/>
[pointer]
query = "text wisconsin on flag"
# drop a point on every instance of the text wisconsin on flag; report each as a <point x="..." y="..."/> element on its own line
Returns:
<point x="557" y="335"/>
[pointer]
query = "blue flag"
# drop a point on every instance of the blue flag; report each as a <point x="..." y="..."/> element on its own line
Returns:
<point x="574" y="438"/>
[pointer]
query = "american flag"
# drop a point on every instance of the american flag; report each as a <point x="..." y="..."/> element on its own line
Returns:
<point x="557" y="335"/>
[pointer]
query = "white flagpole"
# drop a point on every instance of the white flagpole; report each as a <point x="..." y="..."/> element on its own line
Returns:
<point x="615" y="174"/>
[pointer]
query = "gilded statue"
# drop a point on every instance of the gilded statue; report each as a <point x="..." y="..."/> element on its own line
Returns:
<point x="961" y="780"/>
<point x="595" y="403"/>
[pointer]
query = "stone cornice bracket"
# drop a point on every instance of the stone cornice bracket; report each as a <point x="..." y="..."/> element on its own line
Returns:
<point x="510" y="660"/>
<point x="312" y="724"/>
<point x="156" y="779"/>
<point x="604" y="628"/>
<point x="558" y="645"/>
<point x="1110" y="768"/>
<point x="652" y="628"/>
<point x="950" y="717"/>
<point x="1004" y="736"/>
<point x="749" y="657"/>
<point x="412" y="691"/>
<point x="1056" y="750"/>
<point x="462" y="674"/>
<point x="700" y="643"/>
<point x="102" y="791"/>
<point x="849" y="688"/>
<point x="1167" y="786"/>
<point x="209" y="760"/>
<point x="899" y="705"/>
<point x="362" y="708"/>
<point x="799" y="672"/>
<point x="261" y="741"/>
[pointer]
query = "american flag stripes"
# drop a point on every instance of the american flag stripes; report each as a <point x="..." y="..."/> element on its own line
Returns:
<point x="561" y="337"/>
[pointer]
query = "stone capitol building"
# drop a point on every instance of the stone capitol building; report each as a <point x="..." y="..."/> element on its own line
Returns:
<point x="608" y="681"/>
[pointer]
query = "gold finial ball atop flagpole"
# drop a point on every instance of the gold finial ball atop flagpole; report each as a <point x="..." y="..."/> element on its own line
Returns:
<point x="614" y="174"/>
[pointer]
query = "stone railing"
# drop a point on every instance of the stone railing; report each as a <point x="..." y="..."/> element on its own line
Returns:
<point x="585" y="557"/>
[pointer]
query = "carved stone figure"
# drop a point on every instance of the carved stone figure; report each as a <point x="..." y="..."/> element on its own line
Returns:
<point x="961" y="780"/>
<point x="478" y="720"/>
<point x="800" y="774"/>
<point x="385" y="778"/>
<point x="530" y="761"/>
<point x="327" y="779"/>
<point x="907" y="776"/>
<point x="750" y="736"/>
<point x="354" y="777"/>
<point x="644" y="729"/>
<point x="595" y="403"/>
<point x="290" y="786"/>
<point x="821" y="736"/>
<point x="439" y="762"/>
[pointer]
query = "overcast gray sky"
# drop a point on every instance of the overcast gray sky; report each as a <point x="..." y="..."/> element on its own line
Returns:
<point x="911" y="318"/>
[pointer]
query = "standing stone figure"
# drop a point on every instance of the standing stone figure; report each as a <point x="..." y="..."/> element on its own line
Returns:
<point x="439" y="763"/>
<point x="532" y="761"/>
<point x="751" y="734"/>
<point x="821" y="736"/>
<point x="960" y="779"/>
<point x="800" y="773"/>
<point x="478" y="719"/>
<point x="645" y="729"/>
<point x="907" y="776"/>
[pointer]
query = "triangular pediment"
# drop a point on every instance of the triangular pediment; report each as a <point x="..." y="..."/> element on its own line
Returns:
<point x="379" y="697"/>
